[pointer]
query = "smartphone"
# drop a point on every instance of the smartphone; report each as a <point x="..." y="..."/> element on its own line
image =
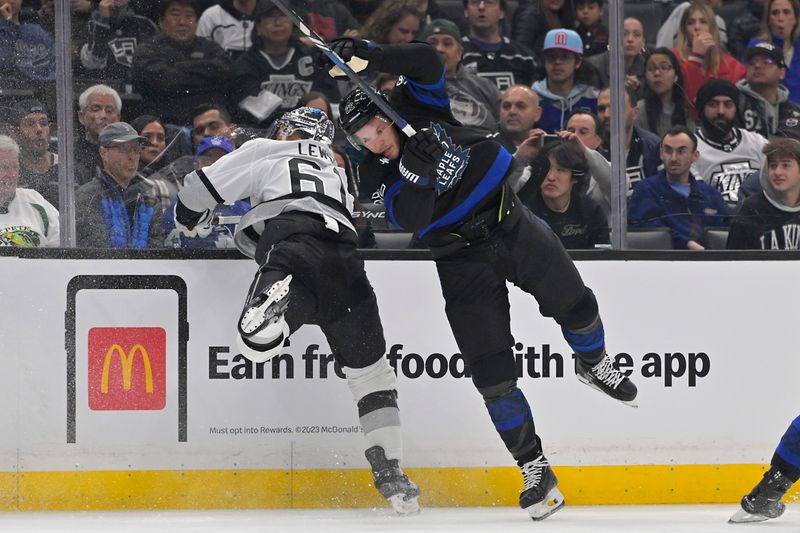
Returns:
<point x="548" y="139"/>
<point x="126" y="338"/>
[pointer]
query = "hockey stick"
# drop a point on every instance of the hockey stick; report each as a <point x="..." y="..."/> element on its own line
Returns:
<point x="320" y="43"/>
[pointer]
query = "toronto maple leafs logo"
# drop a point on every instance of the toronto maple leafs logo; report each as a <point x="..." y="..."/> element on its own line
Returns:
<point x="451" y="165"/>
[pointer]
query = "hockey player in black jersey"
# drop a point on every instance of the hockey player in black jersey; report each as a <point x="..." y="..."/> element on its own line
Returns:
<point x="448" y="184"/>
<point x="300" y="232"/>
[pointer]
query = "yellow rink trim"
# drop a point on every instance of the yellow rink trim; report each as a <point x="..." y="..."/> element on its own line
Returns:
<point x="306" y="489"/>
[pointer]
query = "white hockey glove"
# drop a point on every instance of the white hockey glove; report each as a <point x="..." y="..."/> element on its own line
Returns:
<point x="192" y="226"/>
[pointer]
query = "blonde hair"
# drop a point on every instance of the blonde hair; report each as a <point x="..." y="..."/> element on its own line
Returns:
<point x="684" y="42"/>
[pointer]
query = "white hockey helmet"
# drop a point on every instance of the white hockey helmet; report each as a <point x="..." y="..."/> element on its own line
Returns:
<point x="310" y="122"/>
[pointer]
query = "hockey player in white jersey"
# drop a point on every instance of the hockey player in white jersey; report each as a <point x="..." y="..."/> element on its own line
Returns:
<point x="301" y="234"/>
<point x="727" y="154"/>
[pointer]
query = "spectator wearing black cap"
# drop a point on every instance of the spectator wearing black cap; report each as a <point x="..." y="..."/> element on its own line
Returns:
<point x="118" y="209"/>
<point x="475" y="101"/>
<point x="727" y="154"/>
<point x="176" y="70"/>
<point x="38" y="166"/>
<point x="780" y="25"/>
<point x="765" y="100"/>
<point x="114" y="31"/>
<point x="273" y="76"/>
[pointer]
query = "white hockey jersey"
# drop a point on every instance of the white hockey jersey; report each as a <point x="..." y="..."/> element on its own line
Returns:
<point x="724" y="166"/>
<point x="276" y="176"/>
<point x="31" y="221"/>
<point x="231" y="33"/>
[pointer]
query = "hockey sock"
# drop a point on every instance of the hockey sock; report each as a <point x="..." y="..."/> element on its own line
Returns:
<point x="589" y="342"/>
<point x="787" y="455"/>
<point x="374" y="391"/>
<point x="513" y="420"/>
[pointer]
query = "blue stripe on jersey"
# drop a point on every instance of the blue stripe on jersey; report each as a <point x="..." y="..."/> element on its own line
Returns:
<point x="436" y="93"/>
<point x="586" y="342"/>
<point x="493" y="177"/>
<point x="388" y="200"/>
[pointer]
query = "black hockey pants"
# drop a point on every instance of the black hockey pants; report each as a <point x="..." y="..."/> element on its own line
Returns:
<point x="329" y="285"/>
<point x="520" y="249"/>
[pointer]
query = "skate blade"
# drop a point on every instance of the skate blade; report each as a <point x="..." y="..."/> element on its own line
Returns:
<point x="743" y="517"/>
<point x="552" y="503"/>
<point x="403" y="506"/>
<point x="255" y="317"/>
<point x="629" y="403"/>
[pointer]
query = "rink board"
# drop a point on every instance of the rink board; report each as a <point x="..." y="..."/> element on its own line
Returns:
<point x="712" y="346"/>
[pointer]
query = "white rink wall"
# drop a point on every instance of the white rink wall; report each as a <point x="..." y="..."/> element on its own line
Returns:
<point x="711" y="345"/>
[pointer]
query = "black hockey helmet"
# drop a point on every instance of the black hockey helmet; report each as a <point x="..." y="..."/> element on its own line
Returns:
<point x="355" y="111"/>
<point x="312" y="123"/>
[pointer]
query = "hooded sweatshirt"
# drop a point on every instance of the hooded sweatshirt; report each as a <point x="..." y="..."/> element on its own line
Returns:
<point x="474" y="101"/>
<point x="761" y="116"/>
<point x="227" y="26"/>
<point x="556" y="109"/>
<point x="765" y="222"/>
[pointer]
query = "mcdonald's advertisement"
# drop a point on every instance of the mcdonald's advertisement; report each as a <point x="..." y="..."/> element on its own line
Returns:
<point x="123" y="364"/>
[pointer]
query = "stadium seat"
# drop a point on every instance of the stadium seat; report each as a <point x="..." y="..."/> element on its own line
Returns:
<point x="649" y="239"/>
<point x="392" y="240"/>
<point x="716" y="238"/>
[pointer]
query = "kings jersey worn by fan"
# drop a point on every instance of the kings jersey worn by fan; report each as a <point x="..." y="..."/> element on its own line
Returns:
<point x="725" y="165"/>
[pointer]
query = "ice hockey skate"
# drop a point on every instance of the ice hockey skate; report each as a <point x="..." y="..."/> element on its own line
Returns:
<point x="764" y="501"/>
<point x="607" y="379"/>
<point x="262" y="328"/>
<point x="392" y="483"/>
<point x="540" y="495"/>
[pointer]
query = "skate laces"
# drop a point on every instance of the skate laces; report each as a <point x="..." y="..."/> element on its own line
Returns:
<point x="606" y="373"/>
<point x="532" y="472"/>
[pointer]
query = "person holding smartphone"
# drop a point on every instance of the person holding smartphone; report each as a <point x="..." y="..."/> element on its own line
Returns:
<point x="300" y="232"/>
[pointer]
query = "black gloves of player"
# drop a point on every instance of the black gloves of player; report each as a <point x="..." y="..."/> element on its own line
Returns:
<point x="357" y="53"/>
<point x="420" y="156"/>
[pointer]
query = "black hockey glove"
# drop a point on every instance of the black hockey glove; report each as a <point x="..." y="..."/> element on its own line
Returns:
<point x="420" y="155"/>
<point x="357" y="53"/>
<point x="191" y="223"/>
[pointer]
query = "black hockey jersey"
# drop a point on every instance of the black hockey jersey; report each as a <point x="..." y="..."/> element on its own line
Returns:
<point x="761" y="225"/>
<point x="505" y="63"/>
<point x="112" y="42"/>
<point x="289" y="80"/>
<point x="468" y="176"/>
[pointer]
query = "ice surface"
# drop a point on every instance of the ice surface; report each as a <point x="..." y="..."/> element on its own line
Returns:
<point x="611" y="519"/>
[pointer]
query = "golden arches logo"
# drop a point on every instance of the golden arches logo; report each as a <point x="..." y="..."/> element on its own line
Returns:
<point x="126" y="360"/>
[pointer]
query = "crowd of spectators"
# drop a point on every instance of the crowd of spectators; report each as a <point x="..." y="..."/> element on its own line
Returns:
<point x="711" y="109"/>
